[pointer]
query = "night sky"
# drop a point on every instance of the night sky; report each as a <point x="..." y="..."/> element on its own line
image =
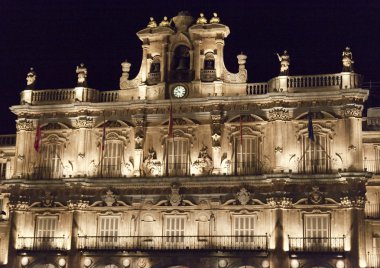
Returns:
<point x="54" y="36"/>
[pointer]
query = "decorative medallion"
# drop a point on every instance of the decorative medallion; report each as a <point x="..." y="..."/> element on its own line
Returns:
<point x="47" y="200"/>
<point x="243" y="196"/>
<point x="109" y="198"/>
<point x="204" y="162"/>
<point x="316" y="196"/>
<point x="152" y="166"/>
<point x="175" y="198"/>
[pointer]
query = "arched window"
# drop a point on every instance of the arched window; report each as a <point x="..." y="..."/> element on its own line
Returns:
<point x="177" y="156"/>
<point x="209" y="62"/>
<point x="181" y="58"/>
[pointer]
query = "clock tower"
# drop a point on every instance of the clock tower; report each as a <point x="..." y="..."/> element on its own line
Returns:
<point x="183" y="58"/>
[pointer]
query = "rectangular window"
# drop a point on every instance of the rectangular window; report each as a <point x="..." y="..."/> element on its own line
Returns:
<point x="315" y="158"/>
<point x="376" y="244"/>
<point x="174" y="229"/>
<point x="246" y="157"/>
<point x="317" y="230"/>
<point x="177" y="157"/>
<point x="46" y="226"/>
<point x="3" y="170"/>
<point x="112" y="159"/>
<point x="243" y="228"/>
<point x="50" y="162"/>
<point x="108" y="228"/>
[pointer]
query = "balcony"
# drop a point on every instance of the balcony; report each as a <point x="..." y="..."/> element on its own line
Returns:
<point x="314" y="166"/>
<point x="316" y="244"/>
<point x="177" y="169"/>
<point x="7" y="140"/>
<point x="113" y="171"/>
<point x="46" y="173"/>
<point x="247" y="168"/>
<point x="169" y="243"/>
<point x="41" y="243"/>
<point x="371" y="165"/>
<point x="208" y="75"/>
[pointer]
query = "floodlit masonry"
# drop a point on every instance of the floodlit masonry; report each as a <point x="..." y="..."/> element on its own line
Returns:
<point x="189" y="165"/>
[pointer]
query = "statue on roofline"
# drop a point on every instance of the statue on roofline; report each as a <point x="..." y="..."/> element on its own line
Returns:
<point x="215" y="18"/>
<point x="31" y="79"/>
<point x="152" y="23"/>
<point x="82" y="75"/>
<point x="165" y="22"/>
<point x="347" y="61"/>
<point x="201" y="19"/>
<point x="285" y="62"/>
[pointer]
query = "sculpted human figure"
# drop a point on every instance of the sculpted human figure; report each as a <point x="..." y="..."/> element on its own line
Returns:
<point x="201" y="19"/>
<point x="152" y="23"/>
<point x="165" y="22"/>
<point x="347" y="60"/>
<point x="215" y="18"/>
<point x="31" y="79"/>
<point x="285" y="62"/>
<point x="82" y="75"/>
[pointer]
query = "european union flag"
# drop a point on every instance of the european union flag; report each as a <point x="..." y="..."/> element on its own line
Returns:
<point x="310" y="126"/>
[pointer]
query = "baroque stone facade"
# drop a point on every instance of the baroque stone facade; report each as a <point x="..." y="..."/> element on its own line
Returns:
<point x="191" y="166"/>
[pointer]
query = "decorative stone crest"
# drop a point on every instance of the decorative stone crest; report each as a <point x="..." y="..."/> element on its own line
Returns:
<point x="316" y="196"/>
<point x="243" y="196"/>
<point x="204" y="161"/>
<point x="48" y="199"/>
<point x="279" y="114"/>
<point x="152" y="166"/>
<point x="175" y="198"/>
<point x="84" y="122"/>
<point x="24" y="125"/>
<point x="109" y="198"/>
<point x="352" y="110"/>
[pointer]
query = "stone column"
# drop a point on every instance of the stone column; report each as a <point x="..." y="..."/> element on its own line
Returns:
<point x="82" y="124"/>
<point x="219" y="58"/>
<point x="144" y="64"/>
<point x="353" y="114"/>
<point x="24" y="139"/>
<point x="197" y="59"/>
<point x="216" y="132"/>
<point x="139" y="121"/>
<point x="164" y="62"/>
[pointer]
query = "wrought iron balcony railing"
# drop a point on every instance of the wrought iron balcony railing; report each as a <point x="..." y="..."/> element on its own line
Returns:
<point x="316" y="244"/>
<point x="314" y="166"/>
<point x="177" y="169"/>
<point x="41" y="243"/>
<point x="222" y="243"/>
<point x="208" y="75"/>
<point x="373" y="260"/>
<point x="247" y="168"/>
<point x="109" y="171"/>
<point x="47" y="172"/>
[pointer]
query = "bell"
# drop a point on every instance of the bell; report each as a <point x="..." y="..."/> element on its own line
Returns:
<point x="182" y="64"/>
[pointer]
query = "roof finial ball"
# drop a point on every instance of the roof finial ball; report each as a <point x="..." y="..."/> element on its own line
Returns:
<point x="201" y="19"/>
<point x="152" y="23"/>
<point x="31" y="79"/>
<point x="215" y="18"/>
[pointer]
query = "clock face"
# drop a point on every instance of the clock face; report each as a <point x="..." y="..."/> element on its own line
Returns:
<point x="179" y="92"/>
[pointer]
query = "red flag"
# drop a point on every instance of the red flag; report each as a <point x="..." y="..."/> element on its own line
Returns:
<point x="170" y="132"/>
<point x="241" y="130"/>
<point x="37" y="138"/>
<point x="104" y="136"/>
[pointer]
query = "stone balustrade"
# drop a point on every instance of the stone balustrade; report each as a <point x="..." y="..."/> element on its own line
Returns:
<point x="257" y="88"/>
